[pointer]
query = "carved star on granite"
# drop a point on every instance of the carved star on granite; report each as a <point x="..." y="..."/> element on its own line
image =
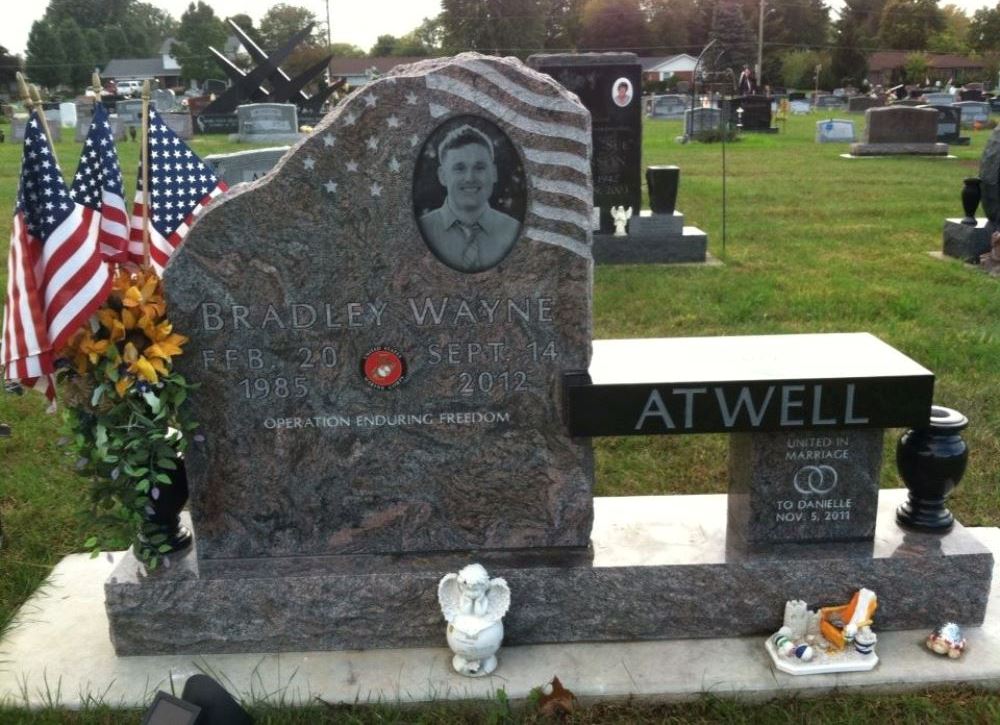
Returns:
<point x="331" y="186"/>
<point x="394" y="164"/>
<point x="329" y="140"/>
<point x="372" y="143"/>
<point x="392" y="121"/>
<point x="350" y="118"/>
<point x="352" y="166"/>
<point x="411" y="98"/>
<point x="414" y="140"/>
<point x="309" y="162"/>
<point x="376" y="189"/>
<point x="370" y="100"/>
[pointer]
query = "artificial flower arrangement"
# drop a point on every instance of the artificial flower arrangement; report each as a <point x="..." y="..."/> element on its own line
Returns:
<point x="125" y="409"/>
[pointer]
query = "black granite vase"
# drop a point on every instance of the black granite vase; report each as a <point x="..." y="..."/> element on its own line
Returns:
<point x="971" y="195"/>
<point x="164" y="513"/>
<point x="663" y="182"/>
<point x="931" y="461"/>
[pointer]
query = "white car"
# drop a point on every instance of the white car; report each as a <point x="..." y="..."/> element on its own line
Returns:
<point x="127" y="89"/>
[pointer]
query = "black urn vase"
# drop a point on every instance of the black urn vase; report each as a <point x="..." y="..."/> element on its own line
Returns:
<point x="971" y="195"/>
<point x="931" y="461"/>
<point x="164" y="513"/>
<point x="663" y="182"/>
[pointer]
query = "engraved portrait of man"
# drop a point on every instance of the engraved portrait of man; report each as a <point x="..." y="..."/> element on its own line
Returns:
<point x="466" y="232"/>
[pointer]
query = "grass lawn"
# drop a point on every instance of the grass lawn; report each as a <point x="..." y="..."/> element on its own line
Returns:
<point x="814" y="243"/>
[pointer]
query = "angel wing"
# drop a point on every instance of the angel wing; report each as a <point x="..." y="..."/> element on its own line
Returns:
<point x="498" y="598"/>
<point x="628" y="213"/>
<point x="449" y="596"/>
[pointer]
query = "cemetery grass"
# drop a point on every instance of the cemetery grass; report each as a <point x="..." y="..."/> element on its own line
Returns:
<point x="814" y="243"/>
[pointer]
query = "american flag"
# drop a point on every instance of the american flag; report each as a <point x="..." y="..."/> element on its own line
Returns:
<point x="98" y="185"/>
<point x="180" y="187"/>
<point x="56" y="277"/>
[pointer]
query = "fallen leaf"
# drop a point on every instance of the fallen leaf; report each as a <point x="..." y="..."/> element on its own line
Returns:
<point x="556" y="701"/>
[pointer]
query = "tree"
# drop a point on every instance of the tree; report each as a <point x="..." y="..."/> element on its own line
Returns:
<point x="45" y="61"/>
<point x="908" y="24"/>
<point x="344" y="50"/>
<point x="798" y="69"/>
<point x="384" y="45"/>
<point x="79" y="63"/>
<point x="730" y="29"/>
<point x="672" y="26"/>
<point x="498" y="27"/>
<point x="804" y="24"/>
<point x="9" y="66"/>
<point x="915" y="66"/>
<point x="429" y="35"/>
<point x="96" y="47"/>
<point x="89" y="13"/>
<point x="199" y="29"/>
<point x="984" y="30"/>
<point x="607" y="25"/>
<point x="147" y="27"/>
<point x="953" y="38"/>
<point x="283" y="21"/>
<point x="849" y="58"/>
<point x="562" y="24"/>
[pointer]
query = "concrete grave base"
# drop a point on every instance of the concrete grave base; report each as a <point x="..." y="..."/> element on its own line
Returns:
<point x="59" y="643"/>
<point x="661" y="568"/>
<point x="899" y="149"/>
<point x="965" y="242"/>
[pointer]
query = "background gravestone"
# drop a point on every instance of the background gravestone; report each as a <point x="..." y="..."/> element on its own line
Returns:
<point x="297" y="289"/>
<point x="179" y="122"/>
<point x="974" y="112"/>
<point x="617" y="129"/>
<point x="756" y="113"/>
<point x="20" y="121"/>
<point x="701" y="120"/>
<point x="860" y="104"/>
<point x="900" y="129"/>
<point x="262" y="122"/>
<point x="244" y="166"/>
<point x="835" y="130"/>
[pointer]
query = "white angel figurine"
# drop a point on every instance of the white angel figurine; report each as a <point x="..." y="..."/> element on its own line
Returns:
<point x="620" y="215"/>
<point x="473" y="605"/>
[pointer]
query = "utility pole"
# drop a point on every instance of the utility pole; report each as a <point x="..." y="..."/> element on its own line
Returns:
<point x="760" y="45"/>
<point x="328" y="40"/>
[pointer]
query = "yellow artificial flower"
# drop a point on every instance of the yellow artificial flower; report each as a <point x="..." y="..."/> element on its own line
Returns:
<point x="139" y="365"/>
<point x="112" y="322"/>
<point x="165" y="342"/>
<point x="145" y="297"/>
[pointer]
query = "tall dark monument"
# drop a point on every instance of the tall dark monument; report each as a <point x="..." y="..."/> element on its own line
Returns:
<point x="610" y="86"/>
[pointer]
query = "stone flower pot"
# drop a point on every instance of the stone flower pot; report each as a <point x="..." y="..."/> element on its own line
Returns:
<point x="931" y="461"/>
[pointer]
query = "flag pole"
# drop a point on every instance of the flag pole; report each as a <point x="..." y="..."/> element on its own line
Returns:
<point x="36" y="100"/>
<point x="145" y="174"/>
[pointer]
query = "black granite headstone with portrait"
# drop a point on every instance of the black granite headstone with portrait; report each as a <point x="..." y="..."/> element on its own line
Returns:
<point x="610" y="86"/>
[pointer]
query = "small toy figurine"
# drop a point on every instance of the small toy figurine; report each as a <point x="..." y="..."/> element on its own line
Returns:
<point x="947" y="640"/>
<point x="474" y="605"/>
<point x="620" y="216"/>
<point x="829" y="639"/>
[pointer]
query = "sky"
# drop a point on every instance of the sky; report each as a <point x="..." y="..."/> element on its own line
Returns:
<point x="352" y="21"/>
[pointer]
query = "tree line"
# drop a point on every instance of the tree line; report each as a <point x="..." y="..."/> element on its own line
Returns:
<point x="75" y="36"/>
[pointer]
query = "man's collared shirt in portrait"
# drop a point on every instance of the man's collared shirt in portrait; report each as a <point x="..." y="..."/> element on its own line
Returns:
<point x="469" y="247"/>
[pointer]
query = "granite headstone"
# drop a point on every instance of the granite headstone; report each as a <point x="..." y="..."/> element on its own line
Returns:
<point x="701" y="120"/>
<point x="668" y="106"/>
<point x="405" y="405"/>
<point x="179" y="122"/>
<point x="949" y="128"/>
<point x="245" y="166"/>
<point x="974" y="112"/>
<point x="897" y="130"/>
<point x="860" y="104"/>
<point x="609" y="85"/>
<point x="19" y="123"/>
<point x="264" y="122"/>
<point x="756" y="113"/>
<point x="939" y="99"/>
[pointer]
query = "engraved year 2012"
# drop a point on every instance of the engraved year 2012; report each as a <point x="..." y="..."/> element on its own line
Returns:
<point x="509" y="381"/>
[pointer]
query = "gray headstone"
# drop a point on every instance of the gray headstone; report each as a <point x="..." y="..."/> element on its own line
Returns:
<point x="974" y="112"/>
<point x="860" y="104"/>
<point x="130" y="112"/>
<point x="819" y="485"/>
<point x="668" y="106"/>
<point x="360" y="393"/>
<point x="83" y="127"/>
<point x="900" y="124"/>
<point x="949" y="128"/>
<point x="939" y="99"/>
<point x="165" y="99"/>
<point x="20" y="121"/>
<point x="989" y="174"/>
<point x="244" y="166"/>
<point x="835" y="130"/>
<point x="699" y="120"/>
<point x="179" y="122"/>
<point x="268" y="122"/>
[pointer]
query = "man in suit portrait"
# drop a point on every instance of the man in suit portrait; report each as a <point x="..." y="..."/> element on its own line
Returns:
<point x="465" y="232"/>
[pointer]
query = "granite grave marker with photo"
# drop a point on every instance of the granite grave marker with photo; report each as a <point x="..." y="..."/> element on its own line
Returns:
<point x="599" y="79"/>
